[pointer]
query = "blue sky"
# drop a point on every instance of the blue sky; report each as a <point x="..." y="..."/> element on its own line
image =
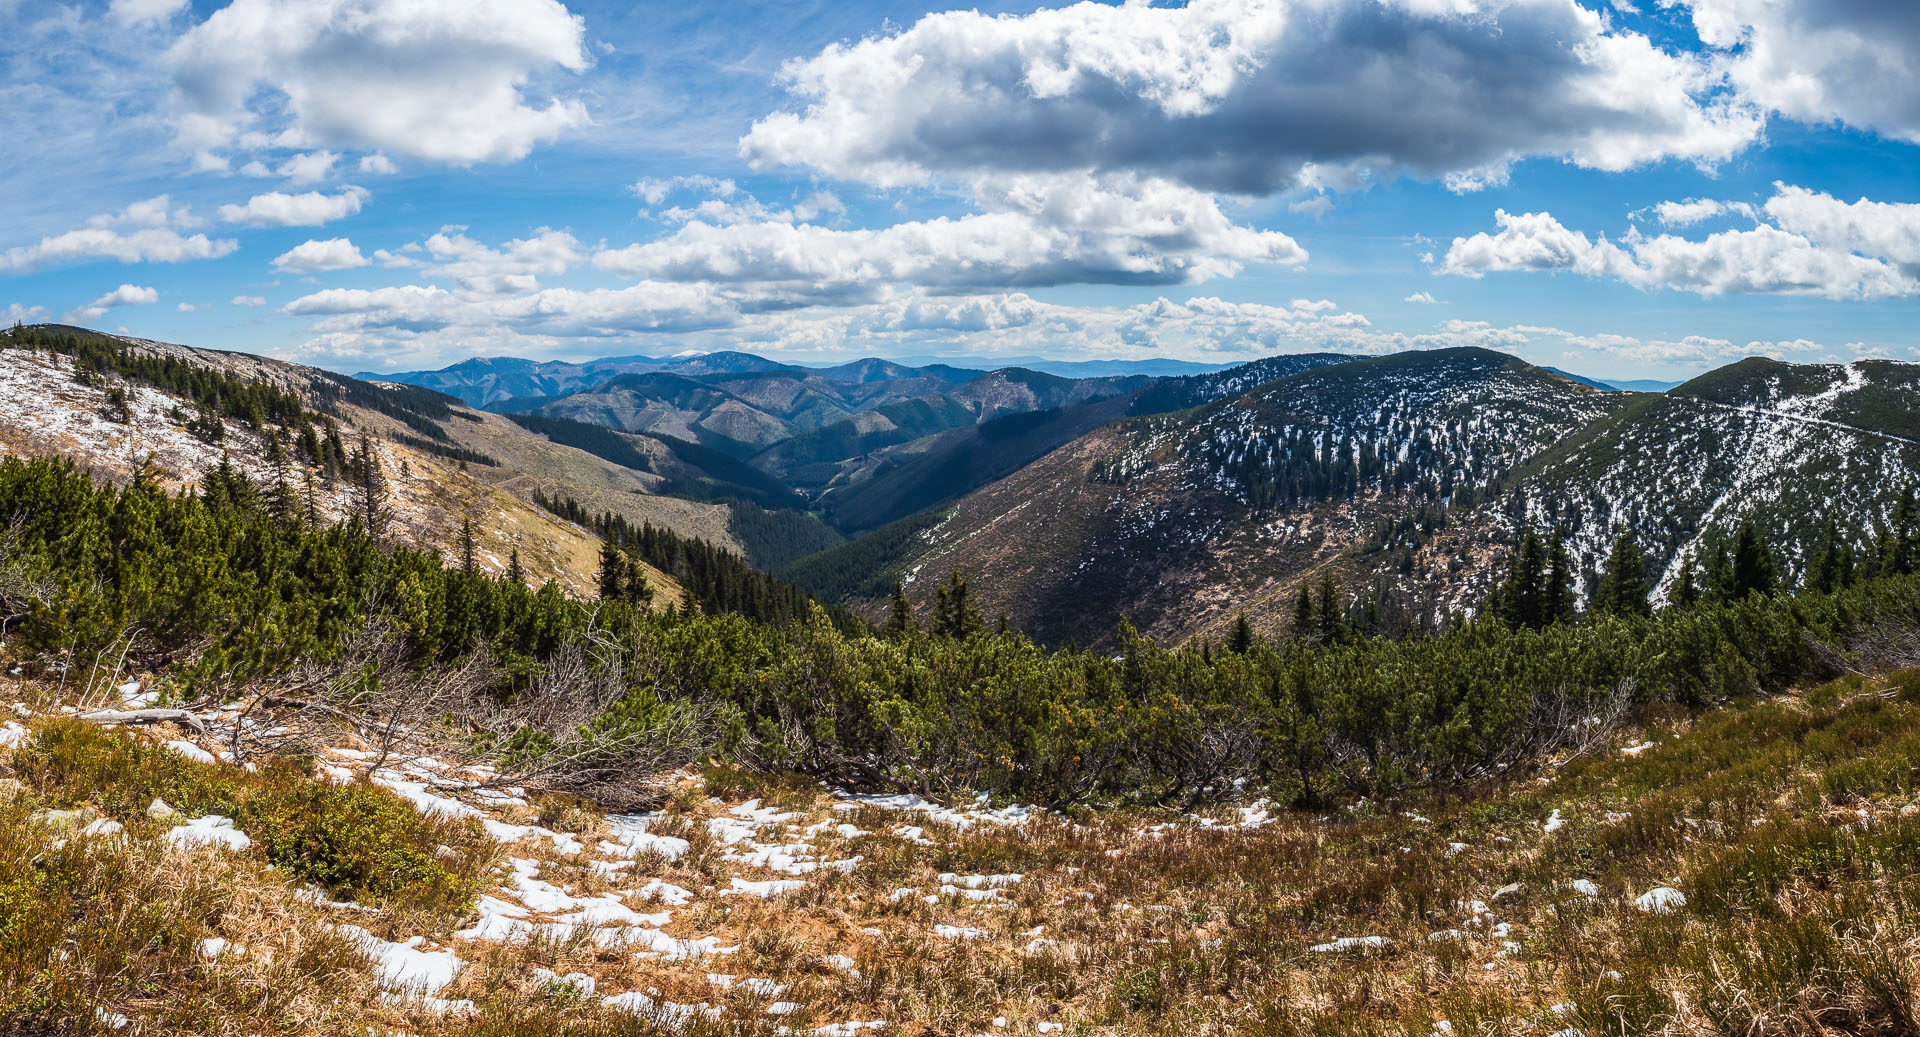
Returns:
<point x="1627" y="188"/>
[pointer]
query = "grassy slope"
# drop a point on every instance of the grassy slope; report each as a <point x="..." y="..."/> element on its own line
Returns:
<point x="1786" y="823"/>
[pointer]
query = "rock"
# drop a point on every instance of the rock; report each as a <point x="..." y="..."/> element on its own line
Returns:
<point x="67" y="820"/>
<point x="159" y="810"/>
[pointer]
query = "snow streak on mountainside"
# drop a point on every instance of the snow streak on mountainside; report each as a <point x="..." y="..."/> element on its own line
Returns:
<point x="1182" y="520"/>
<point x="1789" y="446"/>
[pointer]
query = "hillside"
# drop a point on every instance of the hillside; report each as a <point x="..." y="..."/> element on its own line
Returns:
<point x="1789" y="446"/>
<point x="1182" y="521"/>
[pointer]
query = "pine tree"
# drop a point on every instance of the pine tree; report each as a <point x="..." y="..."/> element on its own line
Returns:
<point x="1557" y="594"/>
<point x="1832" y="566"/>
<point x="1900" y="545"/>
<point x="613" y="572"/>
<point x="1303" y="614"/>
<point x="1686" y="585"/>
<point x="1521" y="600"/>
<point x="1240" y="639"/>
<point x="638" y="590"/>
<point x="468" y="563"/>
<point x="900" y="621"/>
<point x="1328" y="612"/>
<point x="515" y="574"/>
<point x="370" y="489"/>
<point x="954" y="613"/>
<point x="1622" y="589"/>
<point x="1753" y="569"/>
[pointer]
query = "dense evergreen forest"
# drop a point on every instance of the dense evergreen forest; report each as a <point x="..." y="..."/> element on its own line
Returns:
<point x="716" y="579"/>
<point x="214" y="590"/>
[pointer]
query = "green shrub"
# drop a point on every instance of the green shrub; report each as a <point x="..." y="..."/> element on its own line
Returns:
<point x="360" y="841"/>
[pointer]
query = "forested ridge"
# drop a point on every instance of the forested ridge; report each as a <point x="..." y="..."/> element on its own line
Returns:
<point x="213" y="588"/>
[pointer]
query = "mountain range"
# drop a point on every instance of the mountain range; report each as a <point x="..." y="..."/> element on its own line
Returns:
<point x="1180" y="502"/>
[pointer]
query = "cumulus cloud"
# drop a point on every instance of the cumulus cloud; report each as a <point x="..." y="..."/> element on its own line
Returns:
<point x="148" y="245"/>
<point x="1252" y="96"/>
<point x="1033" y="230"/>
<point x="1698" y="210"/>
<point x="186" y="307"/>
<point x="307" y="168"/>
<point x="1816" y="246"/>
<point x="125" y="295"/>
<point x="377" y="164"/>
<point x="309" y="209"/>
<point x="249" y="300"/>
<point x="515" y="266"/>
<point x="18" y="313"/>
<point x="1424" y="298"/>
<point x="452" y="81"/>
<point x="312" y="257"/>
<point x="1821" y="60"/>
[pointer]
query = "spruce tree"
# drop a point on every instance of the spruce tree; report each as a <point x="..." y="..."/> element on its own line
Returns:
<point x="1622" y="589"/>
<point x="1752" y="569"/>
<point x="612" y="578"/>
<point x="1303" y="614"/>
<point x="1686" y="585"/>
<point x="469" y="564"/>
<point x="515" y="574"/>
<point x="900" y="621"/>
<point x="1900" y="545"/>
<point x="1240" y="638"/>
<point x="1557" y="593"/>
<point x="954" y="613"/>
<point x="1832" y="566"/>
<point x="1327" y="613"/>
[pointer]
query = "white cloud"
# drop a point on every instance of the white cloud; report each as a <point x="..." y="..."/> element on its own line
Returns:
<point x="1035" y="230"/>
<point x="1698" y="210"/>
<point x="1817" y="246"/>
<point x="1822" y="60"/>
<point x="149" y="245"/>
<point x="139" y="12"/>
<point x="249" y="300"/>
<point x="1252" y="96"/>
<point x="1424" y="298"/>
<point x="157" y="211"/>
<point x="312" y="257"/>
<point x="125" y="295"/>
<point x="377" y="164"/>
<point x="1888" y="230"/>
<point x="20" y="314"/>
<point x="307" y="168"/>
<point x="453" y="81"/>
<point x="186" y="307"/>
<point x="310" y="209"/>
<point x="515" y="266"/>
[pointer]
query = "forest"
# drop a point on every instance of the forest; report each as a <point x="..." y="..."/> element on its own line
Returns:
<point x="220" y="594"/>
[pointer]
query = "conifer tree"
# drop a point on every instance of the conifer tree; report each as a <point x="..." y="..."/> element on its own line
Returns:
<point x="1900" y="545"/>
<point x="1303" y="614"/>
<point x="1240" y="638"/>
<point x="1328" y="615"/>
<point x="1686" y="585"/>
<point x="1622" y="588"/>
<point x="1832" y="566"/>
<point x="515" y="574"/>
<point x="900" y="619"/>
<point x="1752" y="569"/>
<point x="613" y="572"/>
<point x="1557" y="593"/>
<point x="468" y="563"/>
<point x="370" y="489"/>
<point x="638" y="590"/>
<point x="954" y="613"/>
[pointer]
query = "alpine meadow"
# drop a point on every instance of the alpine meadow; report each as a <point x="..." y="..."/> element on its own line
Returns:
<point x="562" y="518"/>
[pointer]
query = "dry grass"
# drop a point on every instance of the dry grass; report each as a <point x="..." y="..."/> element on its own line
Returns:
<point x="1787" y="824"/>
